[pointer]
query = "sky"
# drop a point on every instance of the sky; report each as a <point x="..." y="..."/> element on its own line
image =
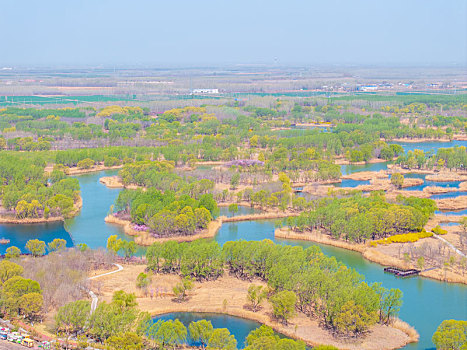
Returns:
<point x="225" y="32"/>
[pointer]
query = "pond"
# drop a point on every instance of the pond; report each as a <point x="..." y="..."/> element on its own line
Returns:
<point x="239" y="327"/>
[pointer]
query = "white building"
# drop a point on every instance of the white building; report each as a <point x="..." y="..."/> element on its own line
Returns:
<point x="205" y="91"/>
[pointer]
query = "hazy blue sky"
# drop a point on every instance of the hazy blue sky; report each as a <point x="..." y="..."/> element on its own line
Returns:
<point x="202" y="32"/>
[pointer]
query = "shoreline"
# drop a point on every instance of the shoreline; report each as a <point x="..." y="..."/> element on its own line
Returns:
<point x="13" y="220"/>
<point x="369" y="253"/>
<point x="144" y="238"/>
<point x="78" y="171"/>
<point x="457" y="137"/>
<point x="342" y="161"/>
<point x="398" y="324"/>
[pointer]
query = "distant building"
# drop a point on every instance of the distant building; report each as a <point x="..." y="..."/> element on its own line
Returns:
<point x="369" y="87"/>
<point x="205" y="91"/>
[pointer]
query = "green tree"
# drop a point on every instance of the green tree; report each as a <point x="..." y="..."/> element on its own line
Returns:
<point x="390" y="302"/>
<point x="222" y="339"/>
<point x="86" y="163"/>
<point x="111" y="318"/>
<point x="200" y="331"/>
<point x="290" y="344"/>
<point x="12" y="252"/>
<point x="254" y="141"/>
<point x="123" y="300"/>
<point x="264" y="337"/>
<point x="353" y="318"/>
<point x="451" y="335"/>
<point x="234" y="181"/>
<point x="143" y="281"/>
<point x="56" y="245"/>
<point x="182" y="287"/>
<point x="16" y="287"/>
<point x="171" y="333"/>
<point x="256" y="295"/>
<point x="114" y="244"/>
<point x="72" y="318"/>
<point x="233" y="208"/>
<point x="125" y="341"/>
<point x="283" y="304"/>
<point x="82" y="247"/>
<point x="397" y="180"/>
<point x="463" y="223"/>
<point x="35" y="247"/>
<point x="8" y="270"/>
<point x="30" y="305"/>
<point x="57" y="175"/>
<point x="128" y="248"/>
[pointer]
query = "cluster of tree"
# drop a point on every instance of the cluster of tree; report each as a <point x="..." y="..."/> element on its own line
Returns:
<point x="303" y="279"/>
<point x="108" y="323"/>
<point x="48" y="123"/>
<point x="19" y="296"/>
<point x="307" y="160"/>
<point x="148" y="173"/>
<point x="166" y="213"/>
<point x="358" y="218"/>
<point x="451" y="158"/>
<point x="117" y="245"/>
<point x="71" y="157"/>
<point x="16" y="113"/>
<point x="200" y="259"/>
<point x="28" y="144"/>
<point x="25" y="189"/>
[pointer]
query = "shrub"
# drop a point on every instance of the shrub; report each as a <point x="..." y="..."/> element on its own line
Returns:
<point x="438" y="230"/>
<point x="403" y="238"/>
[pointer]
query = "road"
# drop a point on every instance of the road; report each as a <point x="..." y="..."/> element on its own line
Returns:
<point x="92" y="294"/>
<point x="6" y="345"/>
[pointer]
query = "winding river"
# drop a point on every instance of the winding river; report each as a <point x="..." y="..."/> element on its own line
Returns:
<point x="426" y="302"/>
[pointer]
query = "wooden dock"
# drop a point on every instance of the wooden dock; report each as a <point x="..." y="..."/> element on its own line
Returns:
<point x="401" y="272"/>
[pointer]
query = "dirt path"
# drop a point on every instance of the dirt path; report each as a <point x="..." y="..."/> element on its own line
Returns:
<point x="92" y="294"/>
<point x="450" y="245"/>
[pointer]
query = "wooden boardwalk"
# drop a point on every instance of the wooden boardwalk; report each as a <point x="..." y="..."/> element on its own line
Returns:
<point x="401" y="272"/>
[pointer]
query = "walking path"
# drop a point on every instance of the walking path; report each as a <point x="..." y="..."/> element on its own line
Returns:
<point x="450" y="245"/>
<point x="92" y="294"/>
